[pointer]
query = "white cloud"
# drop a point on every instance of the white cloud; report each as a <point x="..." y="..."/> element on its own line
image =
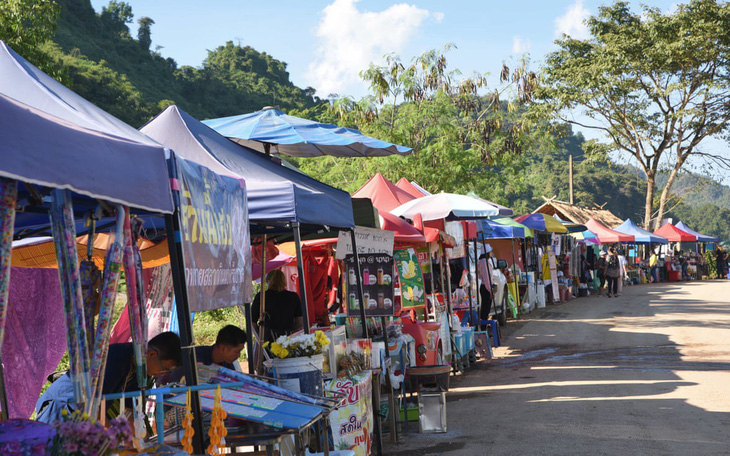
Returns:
<point x="572" y="23"/>
<point x="350" y="39"/>
<point x="520" y="45"/>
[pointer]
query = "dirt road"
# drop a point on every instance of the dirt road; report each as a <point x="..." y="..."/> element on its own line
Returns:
<point x="647" y="373"/>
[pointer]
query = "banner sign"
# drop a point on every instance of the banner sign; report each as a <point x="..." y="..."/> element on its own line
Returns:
<point x="412" y="292"/>
<point x="215" y="238"/>
<point x="377" y="285"/>
<point x="369" y="240"/>
<point x="352" y="421"/>
<point x="424" y="259"/>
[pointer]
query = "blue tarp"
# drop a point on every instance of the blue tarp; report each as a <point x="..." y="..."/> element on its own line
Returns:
<point x="700" y="237"/>
<point x="289" y="135"/>
<point x="276" y="193"/>
<point x="494" y="230"/>
<point x="641" y="236"/>
<point x="52" y="137"/>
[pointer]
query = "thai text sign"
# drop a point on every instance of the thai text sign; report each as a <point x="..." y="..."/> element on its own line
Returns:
<point x="369" y="240"/>
<point x="215" y="238"/>
<point x="352" y="421"/>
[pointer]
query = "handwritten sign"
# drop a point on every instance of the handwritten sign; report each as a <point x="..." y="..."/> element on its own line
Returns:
<point x="369" y="240"/>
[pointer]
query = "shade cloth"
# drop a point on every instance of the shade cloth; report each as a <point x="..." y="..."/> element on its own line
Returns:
<point x="449" y="206"/>
<point x="674" y="234"/>
<point x="384" y="194"/>
<point x="641" y="236"/>
<point x="288" y="135"/>
<point x="50" y="136"/>
<point x="607" y="235"/>
<point x="700" y="237"/>
<point x="275" y="193"/>
<point x="542" y="222"/>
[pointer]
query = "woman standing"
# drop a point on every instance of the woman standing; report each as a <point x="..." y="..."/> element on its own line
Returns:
<point x="283" y="311"/>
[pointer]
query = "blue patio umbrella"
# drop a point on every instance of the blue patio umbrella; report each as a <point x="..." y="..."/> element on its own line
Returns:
<point x="641" y="236"/>
<point x="272" y="131"/>
<point x="494" y="230"/>
<point x="700" y="237"/>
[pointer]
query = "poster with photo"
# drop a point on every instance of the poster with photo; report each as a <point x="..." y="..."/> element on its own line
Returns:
<point x="377" y="285"/>
<point x="411" y="280"/>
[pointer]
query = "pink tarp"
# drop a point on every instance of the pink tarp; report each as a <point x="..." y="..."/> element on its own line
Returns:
<point x="35" y="336"/>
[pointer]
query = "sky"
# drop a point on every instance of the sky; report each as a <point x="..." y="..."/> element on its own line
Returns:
<point x="326" y="43"/>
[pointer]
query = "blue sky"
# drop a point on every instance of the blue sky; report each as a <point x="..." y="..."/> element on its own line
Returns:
<point x="326" y="43"/>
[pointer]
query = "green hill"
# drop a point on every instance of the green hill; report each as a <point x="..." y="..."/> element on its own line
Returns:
<point x="104" y="63"/>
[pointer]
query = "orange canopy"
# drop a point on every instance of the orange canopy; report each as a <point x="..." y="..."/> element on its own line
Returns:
<point x="607" y="235"/>
<point x="674" y="234"/>
<point x="409" y="188"/>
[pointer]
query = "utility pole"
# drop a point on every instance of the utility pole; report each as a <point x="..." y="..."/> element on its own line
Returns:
<point x="570" y="178"/>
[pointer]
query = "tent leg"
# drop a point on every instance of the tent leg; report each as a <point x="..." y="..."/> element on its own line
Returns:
<point x="360" y="291"/>
<point x="249" y="337"/>
<point x="302" y="278"/>
<point x="478" y="322"/>
<point x="172" y="223"/>
<point x="468" y="270"/>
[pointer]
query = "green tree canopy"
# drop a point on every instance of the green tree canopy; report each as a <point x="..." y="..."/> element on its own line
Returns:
<point x="656" y="84"/>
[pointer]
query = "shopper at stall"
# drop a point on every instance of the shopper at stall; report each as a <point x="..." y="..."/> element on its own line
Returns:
<point x="721" y="261"/>
<point x="283" y="309"/>
<point x="484" y="273"/>
<point x="613" y="272"/>
<point x="163" y="355"/>
<point x="601" y="271"/>
<point x="653" y="264"/>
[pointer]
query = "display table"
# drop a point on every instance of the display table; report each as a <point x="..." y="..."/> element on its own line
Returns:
<point x="25" y="437"/>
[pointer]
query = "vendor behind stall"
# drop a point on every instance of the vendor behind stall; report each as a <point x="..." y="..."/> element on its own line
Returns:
<point x="163" y="355"/>
<point x="226" y="350"/>
<point x="283" y="309"/>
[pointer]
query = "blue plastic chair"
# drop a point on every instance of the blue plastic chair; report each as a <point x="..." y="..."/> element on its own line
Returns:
<point x="468" y="317"/>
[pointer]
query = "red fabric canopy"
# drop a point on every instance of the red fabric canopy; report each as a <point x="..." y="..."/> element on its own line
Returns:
<point x="407" y="187"/>
<point x="674" y="234"/>
<point x="384" y="194"/>
<point x="404" y="231"/>
<point x="607" y="235"/>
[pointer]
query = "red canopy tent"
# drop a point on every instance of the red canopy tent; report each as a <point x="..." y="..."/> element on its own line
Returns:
<point x="605" y="234"/>
<point x="409" y="188"/>
<point x="384" y="194"/>
<point x="674" y="234"/>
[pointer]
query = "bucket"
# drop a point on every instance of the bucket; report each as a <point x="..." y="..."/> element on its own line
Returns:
<point x="302" y="375"/>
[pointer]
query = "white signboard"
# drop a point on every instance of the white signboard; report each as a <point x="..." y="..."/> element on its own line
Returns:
<point x="369" y="240"/>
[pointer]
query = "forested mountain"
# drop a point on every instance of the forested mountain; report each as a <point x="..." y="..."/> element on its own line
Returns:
<point x="104" y="63"/>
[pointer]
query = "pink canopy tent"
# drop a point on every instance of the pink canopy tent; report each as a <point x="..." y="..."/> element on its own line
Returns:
<point x="384" y="194"/>
<point x="674" y="234"/>
<point x="605" y="234"/>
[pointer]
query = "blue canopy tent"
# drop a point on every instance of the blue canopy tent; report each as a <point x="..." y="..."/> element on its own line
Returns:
<point x="700" y="237"/>
<point x="641" y="236"/>
<point x="494" y="230"/>
<point x="272" y="131"/>
<point x="276" y="193"/>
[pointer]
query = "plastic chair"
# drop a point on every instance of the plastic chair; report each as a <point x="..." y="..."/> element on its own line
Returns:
<point x="491" y="324"/>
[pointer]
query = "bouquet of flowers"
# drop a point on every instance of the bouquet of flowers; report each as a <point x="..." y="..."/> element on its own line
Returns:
<point x="77" y="435"/>
<point x="296" y="346"/>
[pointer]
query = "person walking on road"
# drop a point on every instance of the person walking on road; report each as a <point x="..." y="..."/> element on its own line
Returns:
<point x="601" y="271"/>
<point x="653" y="264"/>
<point x="721" y="262"/>
<point x="613" y="271"/>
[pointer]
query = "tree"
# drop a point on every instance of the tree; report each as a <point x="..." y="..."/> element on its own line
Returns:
<point x="457" y="127"/>
<point x="26" y="24"/>
<point x="656" y="84"/>
<point x="144" y="33"/>
<point x="116" y="16"/>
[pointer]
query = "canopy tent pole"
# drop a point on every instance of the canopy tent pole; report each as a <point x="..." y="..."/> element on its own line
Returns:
<point x="360" y="291"/>
<point x="302" y="279"/>
<point x="468" y="269"/>
<point x="177" y="265"/>
<point x="479" y="295"/>
<point x="262" y="307"/>
<point x="249" y="335"/>
<point x="8" y="201"/>
<point x="514" y="275"/>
